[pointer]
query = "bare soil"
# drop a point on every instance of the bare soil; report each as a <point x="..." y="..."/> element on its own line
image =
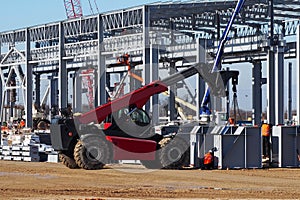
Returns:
<point x="24" y="180"/>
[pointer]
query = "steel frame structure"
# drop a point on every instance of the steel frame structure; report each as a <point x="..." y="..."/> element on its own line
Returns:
<point x="149" y="32"/>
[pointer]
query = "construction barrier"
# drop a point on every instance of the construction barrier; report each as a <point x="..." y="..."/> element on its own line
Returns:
<point x="286" y="146"/>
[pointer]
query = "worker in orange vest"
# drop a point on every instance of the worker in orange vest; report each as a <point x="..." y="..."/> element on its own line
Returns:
<point x="266" y="133"/>
<point x="208" y="160"/>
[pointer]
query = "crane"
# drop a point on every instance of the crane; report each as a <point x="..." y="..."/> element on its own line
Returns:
<point x="74" y="8"/>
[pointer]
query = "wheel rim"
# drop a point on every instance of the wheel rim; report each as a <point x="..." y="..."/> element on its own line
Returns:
<point x="94" y="154"/>
<point x="174" y="154"/>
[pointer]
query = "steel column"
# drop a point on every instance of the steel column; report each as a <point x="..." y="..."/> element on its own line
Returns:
<point x="101" y="77"/>
<point x="29" y="82"/>
<point x="256" y="92"/>
<point x="53" y="92"/>
<point x="289" y="91"/>
<point x="200" y="87"/>
<point x="271" y="86"/>
<point x="298" y="75"/>
<point x="38" y="89"/>
<point x="146" y="49"/>
<point x="154" y="64"/>
<point x="172" y="94"/>
<point x="62" y="71"/>
<point x="279" y="79"/>
<point x="77" y="93"/>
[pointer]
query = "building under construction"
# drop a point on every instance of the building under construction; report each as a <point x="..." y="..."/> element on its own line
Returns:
<point x="82" y="58"/>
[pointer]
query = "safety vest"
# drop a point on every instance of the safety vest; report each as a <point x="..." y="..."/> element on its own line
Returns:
<point x="265" y="130"/>
<point x="208" y="158"/>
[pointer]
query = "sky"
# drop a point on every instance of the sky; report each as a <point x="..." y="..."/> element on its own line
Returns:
<point x="15" y="14"/>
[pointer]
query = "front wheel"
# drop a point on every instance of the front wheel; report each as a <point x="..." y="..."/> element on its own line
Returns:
<point x="92" y="153"/>
<point x="174" y="153"/>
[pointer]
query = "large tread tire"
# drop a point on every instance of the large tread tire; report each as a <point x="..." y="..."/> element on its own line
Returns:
<point x="174" y="153"/>
<point x="151" y="164"/>
<point x="92" y="153"/>
<point x="68" y="161"/>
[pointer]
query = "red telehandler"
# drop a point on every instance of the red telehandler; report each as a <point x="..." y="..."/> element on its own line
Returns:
<point x="122" y="130"/>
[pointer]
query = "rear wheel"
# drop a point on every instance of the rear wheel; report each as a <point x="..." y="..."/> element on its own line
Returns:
<point x="91" y="153"/>
<point x="68" y="161"/>
<point x="174" y="153"/>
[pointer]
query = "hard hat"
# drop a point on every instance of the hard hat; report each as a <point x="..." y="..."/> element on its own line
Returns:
<point x="210" y="151"/>
<point x="265" y="121"/>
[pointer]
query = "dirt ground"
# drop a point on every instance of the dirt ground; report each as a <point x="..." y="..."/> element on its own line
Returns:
<point x="24" y="180"/>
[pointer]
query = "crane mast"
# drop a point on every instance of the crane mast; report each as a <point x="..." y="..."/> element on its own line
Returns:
<point x="73" y="8"/>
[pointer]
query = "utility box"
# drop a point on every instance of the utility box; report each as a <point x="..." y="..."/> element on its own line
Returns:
<point x="286" y="146"/>
<point x="238" y="147"/>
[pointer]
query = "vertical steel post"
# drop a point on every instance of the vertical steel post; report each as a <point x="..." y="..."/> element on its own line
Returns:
<point x="62" y="71"/>
<point x="172" y="93"/>
<point x="289" y="90"/>
<point x="101" y="77"/>
<point x="29" y="82"/>
<point x="256" y="92"/>
<point x="200" y="85"/>
<point x="146" y="49"/>
<point x="271" y="71"/>
<point x="77" y="93"/>
<point x="279" y="79"/>
<point x="38" y="89"/>
<point x="298" y="75"/>
<point x="154" y="68"/>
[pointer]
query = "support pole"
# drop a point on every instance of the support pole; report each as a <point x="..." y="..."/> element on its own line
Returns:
<point x="279" y="80"/>
<point x="172" y="93"/>
<point x="154" y="64"/>
<point x="289" y="89"/>
<point x="298" y="75"/>
<point x="200" y="90"/>
<point x="38" y="89"/>
<point x="146" y="49"/>
<point x="256" y="92"/>
<point x="101" y="77"/>
<point x="77" y="94"/>
<point x="29" y="83"/>
<point x="62" y="71"/>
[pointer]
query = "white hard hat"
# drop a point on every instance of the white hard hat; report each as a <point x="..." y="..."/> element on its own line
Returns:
<point x="210" y="151"/>
<point x="265" y="121"/>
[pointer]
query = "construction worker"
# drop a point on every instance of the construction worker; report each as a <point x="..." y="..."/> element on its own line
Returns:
<point x="22" y="123"/>
<point x="266" y="133"/>
<point x="231" y="121"/>
<point x="208" y="160"/>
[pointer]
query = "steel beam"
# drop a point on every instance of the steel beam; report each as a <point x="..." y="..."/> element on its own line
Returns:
<point x="271" y="86"/>
<point x="154" y="67"/>
<point x="77" y="93"/>
<point x="146" y="49"/>
<point x="37" y="89"/>
<point x="101" y="76"/>
<point x="279" y="86"/>
<point x="256" y="92"/>
<point x="289" y="91"/>
<point x="200" y="87"/>
<point x="298" y="76"/>
<point x="29" y="82"/>
<point x="62" y="71"/>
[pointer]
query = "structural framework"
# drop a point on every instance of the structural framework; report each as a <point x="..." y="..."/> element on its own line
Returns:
<point x="180" y="33"/>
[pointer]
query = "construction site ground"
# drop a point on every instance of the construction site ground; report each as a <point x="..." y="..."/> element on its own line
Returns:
<point x="41" y="180"/>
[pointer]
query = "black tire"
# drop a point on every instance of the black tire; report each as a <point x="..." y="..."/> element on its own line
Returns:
<point x="92" y="153"/>
<point x="174" y="153"/>
<point x="151" y="164"/>
<point x="68" y="161"/>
